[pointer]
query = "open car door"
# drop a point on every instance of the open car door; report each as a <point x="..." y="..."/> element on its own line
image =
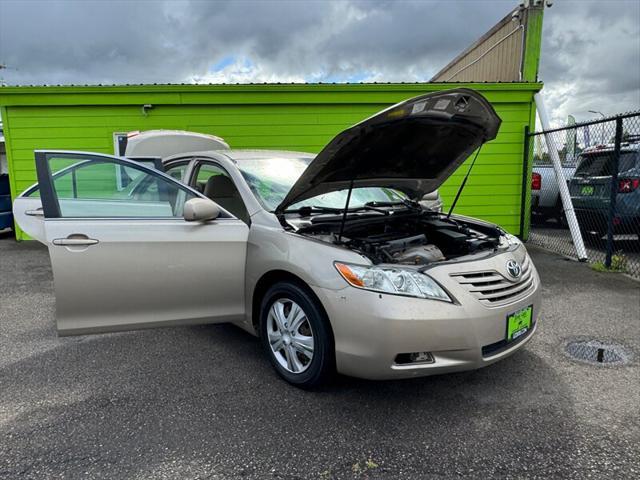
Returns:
<point x="123" y="256"/>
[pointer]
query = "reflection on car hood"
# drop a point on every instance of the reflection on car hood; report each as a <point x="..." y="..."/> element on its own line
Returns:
<point x="413" y="146"/>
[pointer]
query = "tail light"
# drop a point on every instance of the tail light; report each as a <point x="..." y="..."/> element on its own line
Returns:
<point x="536" y="181"/>
<point x="626" y="185"/>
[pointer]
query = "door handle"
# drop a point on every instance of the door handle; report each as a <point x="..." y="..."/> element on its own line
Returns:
<point x="75" y="240"/>
<point x="35" y="213"/>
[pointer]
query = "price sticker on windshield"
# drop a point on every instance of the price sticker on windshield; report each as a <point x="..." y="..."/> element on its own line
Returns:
<point x="418" y="107"/>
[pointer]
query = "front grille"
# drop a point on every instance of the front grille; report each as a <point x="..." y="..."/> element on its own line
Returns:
<point x="494" y="289"/>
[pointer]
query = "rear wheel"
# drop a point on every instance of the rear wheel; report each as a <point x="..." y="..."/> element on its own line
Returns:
<point x="296" y="336"/>
<point x="593" y="238"/>
<point x="560" y="216"/>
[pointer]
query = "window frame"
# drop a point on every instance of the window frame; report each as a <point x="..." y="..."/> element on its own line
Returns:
<point x="201" y="162"/>
<point x="49" y="197"/>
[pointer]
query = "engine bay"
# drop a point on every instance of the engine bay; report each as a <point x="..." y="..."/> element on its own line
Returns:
<point x="404" y="237"/>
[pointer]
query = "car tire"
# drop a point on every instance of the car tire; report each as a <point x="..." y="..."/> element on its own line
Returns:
<point x="562" y="220"/>
<point x="286" y="336"/>
<point x="594" y="239"/>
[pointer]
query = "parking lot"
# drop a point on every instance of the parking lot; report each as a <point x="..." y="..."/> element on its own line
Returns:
<point x="203" y="402"/>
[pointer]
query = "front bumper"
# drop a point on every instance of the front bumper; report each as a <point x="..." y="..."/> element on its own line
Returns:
<point x="371" y="329"/>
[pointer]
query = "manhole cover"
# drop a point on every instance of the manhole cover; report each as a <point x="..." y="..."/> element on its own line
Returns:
<point x="596" y="352"/>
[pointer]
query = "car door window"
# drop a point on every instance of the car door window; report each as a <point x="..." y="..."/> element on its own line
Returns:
<point x="215" y="183"/>
<point x="177" y="171"/>
<point x="147" y="188"/>
<point x="91" y="188"/>
<point x="205" y="171"/>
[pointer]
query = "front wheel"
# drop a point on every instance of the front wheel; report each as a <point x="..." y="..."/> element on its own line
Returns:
<point x="296" y="336"/>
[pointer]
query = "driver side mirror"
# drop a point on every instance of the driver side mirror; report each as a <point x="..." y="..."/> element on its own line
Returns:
<point x="200" y="210"/>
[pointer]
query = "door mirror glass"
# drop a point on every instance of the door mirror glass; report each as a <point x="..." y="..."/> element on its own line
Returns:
<point x="200" y="210"/>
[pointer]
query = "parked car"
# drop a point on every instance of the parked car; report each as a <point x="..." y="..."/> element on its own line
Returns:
<point x="590" y="190"/>
<point x="546" y="203"/>
<point x="382" y="289"/>
<point x="6" y="217"/>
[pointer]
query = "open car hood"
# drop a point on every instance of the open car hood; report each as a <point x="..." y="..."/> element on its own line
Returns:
<point x="413" y="146"/>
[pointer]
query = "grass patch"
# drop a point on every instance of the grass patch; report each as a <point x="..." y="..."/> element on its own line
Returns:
<point x="618" y="264"/>
<point x="362" y="469"/>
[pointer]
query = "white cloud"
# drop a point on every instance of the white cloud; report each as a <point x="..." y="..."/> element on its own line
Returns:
<point x="590" y="58"/>
<point x="243" y="70"/>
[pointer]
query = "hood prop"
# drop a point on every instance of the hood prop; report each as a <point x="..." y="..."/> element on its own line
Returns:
<point x="464" y="182"/>
<point x="346" y="210"/>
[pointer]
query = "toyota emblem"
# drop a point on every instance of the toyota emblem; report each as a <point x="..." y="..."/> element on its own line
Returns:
<point x="514" y="269"/>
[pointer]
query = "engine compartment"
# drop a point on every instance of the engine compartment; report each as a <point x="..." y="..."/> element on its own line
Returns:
<point x="408" y="238"/>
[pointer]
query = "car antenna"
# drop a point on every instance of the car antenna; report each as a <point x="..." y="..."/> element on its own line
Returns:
<point x="464" y="182"/>
<point x="344" y="214"/>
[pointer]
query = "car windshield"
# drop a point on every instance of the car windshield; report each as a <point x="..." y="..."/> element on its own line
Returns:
<point x="601" y="164"/>
<point x="270" y="179"/>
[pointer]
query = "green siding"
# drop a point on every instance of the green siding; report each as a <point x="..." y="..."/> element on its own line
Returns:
<point x="292" y="117"/>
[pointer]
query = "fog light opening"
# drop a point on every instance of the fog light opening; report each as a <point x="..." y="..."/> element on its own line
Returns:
<point x="414" y="357"/>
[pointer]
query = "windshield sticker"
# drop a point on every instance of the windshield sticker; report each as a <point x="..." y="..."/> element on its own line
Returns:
<point x="418" y="107"/>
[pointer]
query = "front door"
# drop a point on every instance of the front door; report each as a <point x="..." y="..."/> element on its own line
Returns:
<point x="122" y="255"/>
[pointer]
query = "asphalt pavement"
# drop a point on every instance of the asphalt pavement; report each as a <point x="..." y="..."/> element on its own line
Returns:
<point x="203" y="402"/>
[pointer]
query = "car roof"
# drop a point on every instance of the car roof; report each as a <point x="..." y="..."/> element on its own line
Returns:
<point x="244" y="154"/>
<point x="624" y="146"/>
<point x="254" y="154"/>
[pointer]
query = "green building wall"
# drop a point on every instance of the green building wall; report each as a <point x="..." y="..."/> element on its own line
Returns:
<point x="289" y="117"/>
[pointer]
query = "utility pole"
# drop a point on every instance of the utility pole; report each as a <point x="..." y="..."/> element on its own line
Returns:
<point x="4" y="66"/>
<point x="602" y="130"/>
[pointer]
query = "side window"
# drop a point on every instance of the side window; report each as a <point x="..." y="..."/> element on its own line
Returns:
<point x="91" y="188"/>
<point x="177" y="171"/>
<point x="215" y="183"/>
<point x="147" y="189"/>
<point x="204" y="172"/>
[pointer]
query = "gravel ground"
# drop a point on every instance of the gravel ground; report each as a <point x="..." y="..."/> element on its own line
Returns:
<point x="202" y="402"/>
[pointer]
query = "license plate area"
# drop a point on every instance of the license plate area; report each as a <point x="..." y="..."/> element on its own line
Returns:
<point x="519" y="323"/>
<point x="587" y="190"/>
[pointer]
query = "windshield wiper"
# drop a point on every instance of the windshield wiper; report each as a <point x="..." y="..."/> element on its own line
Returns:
<point x="308" y="210"/>
<point x="404" y="202"/>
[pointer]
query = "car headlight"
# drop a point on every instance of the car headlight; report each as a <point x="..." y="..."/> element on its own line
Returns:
<point x="392" y="280"/>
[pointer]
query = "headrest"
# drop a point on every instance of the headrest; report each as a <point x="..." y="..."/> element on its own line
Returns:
<point x="220" y="186"/>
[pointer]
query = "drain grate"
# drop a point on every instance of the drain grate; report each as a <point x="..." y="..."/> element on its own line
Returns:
<point x="596" y="352"/>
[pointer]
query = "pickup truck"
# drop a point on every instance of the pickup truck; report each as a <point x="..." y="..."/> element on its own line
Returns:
<point x="545" y="194"/>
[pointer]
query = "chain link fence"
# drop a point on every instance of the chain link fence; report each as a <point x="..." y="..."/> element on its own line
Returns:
<point x="600" y="163"/>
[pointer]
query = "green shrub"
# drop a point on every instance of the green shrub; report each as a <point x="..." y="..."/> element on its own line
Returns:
<point x="618" y="264"/>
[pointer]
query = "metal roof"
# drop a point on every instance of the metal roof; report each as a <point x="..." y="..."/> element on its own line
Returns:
<point x="233" y="84"/>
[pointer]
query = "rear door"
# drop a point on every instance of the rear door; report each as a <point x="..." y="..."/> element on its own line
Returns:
<point x="123" y="257"/>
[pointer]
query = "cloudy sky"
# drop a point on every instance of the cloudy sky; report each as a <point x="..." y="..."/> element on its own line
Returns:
<point x="590" y="58"/>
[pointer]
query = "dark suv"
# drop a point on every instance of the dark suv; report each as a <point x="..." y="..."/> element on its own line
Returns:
<point x="590" y="189"/>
